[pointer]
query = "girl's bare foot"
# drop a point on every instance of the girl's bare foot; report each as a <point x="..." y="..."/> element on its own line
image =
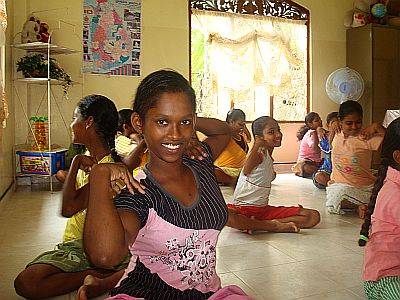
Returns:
<point x="286" y="227"/>
<point x="362" y="209"/>
<point x="91" y="288"/>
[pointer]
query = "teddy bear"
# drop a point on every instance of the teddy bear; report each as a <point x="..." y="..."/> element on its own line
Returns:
<point x="30" y="30"/>
<point x="44" y="32"/>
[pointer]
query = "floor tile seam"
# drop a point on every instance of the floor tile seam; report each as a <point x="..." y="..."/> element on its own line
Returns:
<point x="252" y="242"/>
<point x="281" y="251"/>
<point x="246" y="284"/>
<point x="319" y="256"/>
<point x="330" y="289"/>
<point x="316" y="294"/>
<point x="349" y="289"/>
<point x="261" y="267"/>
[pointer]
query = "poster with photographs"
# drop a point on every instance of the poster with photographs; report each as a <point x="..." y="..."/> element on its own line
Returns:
<point x="112" y="37"/>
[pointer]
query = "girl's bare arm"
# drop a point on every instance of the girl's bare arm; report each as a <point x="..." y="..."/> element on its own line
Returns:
<point x="253" y="159"/>
<point x="108" y="231"/>
<point x="132" y="161"/>
<point x="217" y="132"/>
<point x="75" y="200"/>
<point x="247" y="134"/>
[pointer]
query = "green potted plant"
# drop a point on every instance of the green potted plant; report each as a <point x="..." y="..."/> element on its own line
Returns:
<point x="35" y="66"/>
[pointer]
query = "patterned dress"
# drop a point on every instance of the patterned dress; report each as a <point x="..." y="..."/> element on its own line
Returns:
<point x="174" y="254"/>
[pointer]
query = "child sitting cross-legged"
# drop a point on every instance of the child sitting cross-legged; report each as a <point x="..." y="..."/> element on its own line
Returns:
<point x="62" y="270"/>
<point x="323" y="175"/>
<point x="230" y="162"/>
<point x="352" y="179"/>
<point x="309" y="159"/>
<point x="252" y="191"/>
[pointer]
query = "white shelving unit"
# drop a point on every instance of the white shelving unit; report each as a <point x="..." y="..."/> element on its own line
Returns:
<point x="48" y="50"/>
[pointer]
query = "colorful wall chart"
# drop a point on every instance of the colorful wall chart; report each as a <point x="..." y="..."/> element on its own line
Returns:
<point x="112" y="37"/>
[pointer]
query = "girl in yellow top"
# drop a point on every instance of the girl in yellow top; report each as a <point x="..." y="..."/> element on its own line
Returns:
<point x="62" y="270"/>
<point x="230" y="162"/>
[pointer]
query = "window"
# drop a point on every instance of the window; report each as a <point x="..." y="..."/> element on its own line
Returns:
<point x="251" y="55"/>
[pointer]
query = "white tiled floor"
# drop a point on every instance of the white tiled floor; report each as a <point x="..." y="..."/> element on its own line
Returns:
<point x="320" y="263"/>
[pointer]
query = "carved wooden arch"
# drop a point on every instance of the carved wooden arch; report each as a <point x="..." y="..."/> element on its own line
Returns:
<point x="272" y="8"/>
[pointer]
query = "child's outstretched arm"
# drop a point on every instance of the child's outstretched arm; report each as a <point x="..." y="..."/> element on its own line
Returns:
<point x="132" y="161"/>
<point x="371" y="130"/>
<point x="108" y="231"/>
<point x="335" y="129"/>
<point x="247" y="134"/>
<point x="315" y="140"/>
<point x="73" y="199"/>
<point x="217" y="132"/>
<point x="254" y="158"/>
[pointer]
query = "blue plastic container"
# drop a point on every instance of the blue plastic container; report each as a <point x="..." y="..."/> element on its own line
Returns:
<point x="36" y="162"/>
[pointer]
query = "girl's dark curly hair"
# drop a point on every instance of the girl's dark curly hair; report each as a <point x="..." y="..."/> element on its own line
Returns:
<point x="391" y="143"/>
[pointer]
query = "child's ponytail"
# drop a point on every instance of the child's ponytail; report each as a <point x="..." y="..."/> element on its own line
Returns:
<point x="364" y="233"/>
<point x="111" y="145"/>
<point x="105" y="119"/>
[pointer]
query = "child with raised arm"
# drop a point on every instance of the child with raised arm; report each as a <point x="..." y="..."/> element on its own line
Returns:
<point x="323" y="175"/>
<point x="127" y="138"/>
<point x="230" y="162"/>
<point x="63" y="270"/>
<point x="171" y="230"/>
<point x="309" y="158"/>
<point x="252" y="191"/>
<point x="352" y="179"/>
<point x="381" y="228"/>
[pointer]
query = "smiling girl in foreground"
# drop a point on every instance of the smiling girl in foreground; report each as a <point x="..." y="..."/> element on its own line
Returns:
<point x="171" y="229"/>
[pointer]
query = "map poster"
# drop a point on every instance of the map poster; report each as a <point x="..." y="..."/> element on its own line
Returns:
<point x="112" y="37"/>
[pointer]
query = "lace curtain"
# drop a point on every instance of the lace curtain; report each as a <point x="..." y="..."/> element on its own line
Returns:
<point x="3" y="100"/>
<point x="248" y="59"/>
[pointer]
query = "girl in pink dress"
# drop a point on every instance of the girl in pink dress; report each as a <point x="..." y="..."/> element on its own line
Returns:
<point x="382" y="224"/>
<point x="172" y="225"/>
<point x="309" y="159"/>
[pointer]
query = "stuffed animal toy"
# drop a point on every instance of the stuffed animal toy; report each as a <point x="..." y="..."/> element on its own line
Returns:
<point x="44" y="33"/>
<point x="30" y="31"/>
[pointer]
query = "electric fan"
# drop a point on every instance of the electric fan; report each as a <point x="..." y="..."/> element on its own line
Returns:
<point x="344" y="84"/>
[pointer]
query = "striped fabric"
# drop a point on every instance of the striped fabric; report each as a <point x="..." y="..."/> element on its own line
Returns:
<point x="208" y="212"/>
<point x="386" y="288"/>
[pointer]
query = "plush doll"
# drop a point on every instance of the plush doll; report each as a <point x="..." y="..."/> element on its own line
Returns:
<point x="30" y="31"/>
<point x="44" y="32"/>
